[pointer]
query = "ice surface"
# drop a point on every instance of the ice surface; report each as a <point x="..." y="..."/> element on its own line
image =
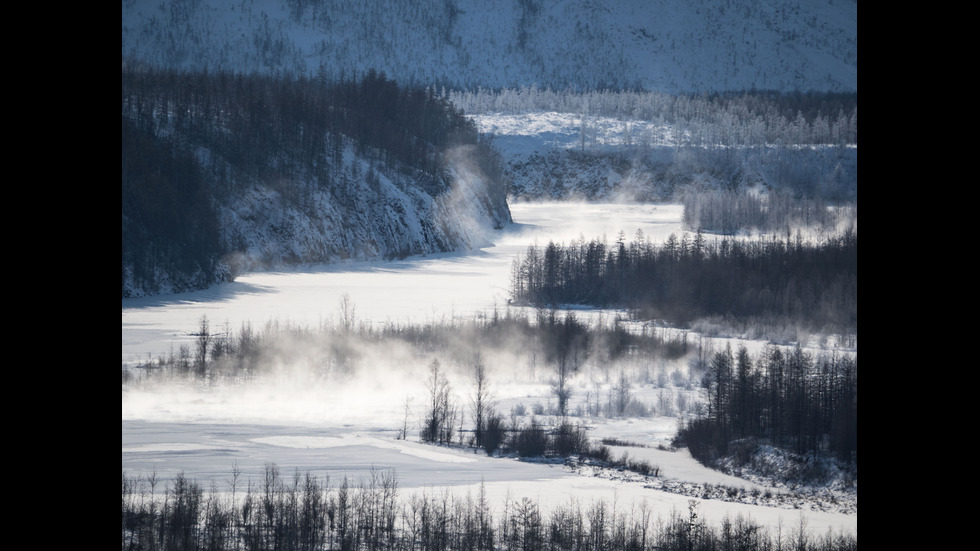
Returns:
<point x="351" y="431"/>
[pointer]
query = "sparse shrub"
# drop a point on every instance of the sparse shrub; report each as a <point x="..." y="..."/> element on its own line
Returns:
<point x="601" y="453"/>
<point x="569" y="439"/>
<point x="617" y="442"/>
<point x="493" y="433"/>
<point x="643" y="467"/>
<point x="637" y="408"/>
<point x="530" y="441"/>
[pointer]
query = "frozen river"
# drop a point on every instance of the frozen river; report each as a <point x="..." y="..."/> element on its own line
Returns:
<point x="415" y="289"/>
<point x="350" y="431"/>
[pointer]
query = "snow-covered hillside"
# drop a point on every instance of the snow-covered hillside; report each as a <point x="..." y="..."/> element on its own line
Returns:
<point x="552" y="155"/>
<point x="674" y="46"/>
<point x="390" y="217"/>
<point x="259" y="173"/>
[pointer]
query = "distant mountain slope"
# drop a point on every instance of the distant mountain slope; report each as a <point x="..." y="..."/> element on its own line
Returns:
<point x="726" y="147"/>
<point x="674" y="46"/>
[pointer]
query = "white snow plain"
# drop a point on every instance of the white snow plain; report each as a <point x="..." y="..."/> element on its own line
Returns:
<point x="350" y="430"/>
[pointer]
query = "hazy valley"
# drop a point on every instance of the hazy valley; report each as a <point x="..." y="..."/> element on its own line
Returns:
<point x="424" y="275"/>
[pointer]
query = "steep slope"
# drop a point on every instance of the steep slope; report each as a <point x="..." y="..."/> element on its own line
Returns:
<point x="674" y="46"/>
<point x="379" y="215"/>
<point x="224" y="173"/>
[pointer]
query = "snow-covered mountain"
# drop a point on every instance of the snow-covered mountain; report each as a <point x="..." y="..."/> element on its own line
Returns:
<point x="674" y="46"/>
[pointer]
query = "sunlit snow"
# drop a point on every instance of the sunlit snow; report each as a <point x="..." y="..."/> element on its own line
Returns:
<point x="352" y="430"/>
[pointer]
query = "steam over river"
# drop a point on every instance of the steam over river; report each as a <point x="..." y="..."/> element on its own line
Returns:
<point x="418" y="289"/>
<point x="349" y="429"/>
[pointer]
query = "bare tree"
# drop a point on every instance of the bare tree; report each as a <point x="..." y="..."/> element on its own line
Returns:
<point x="203" y="344"/>
<point x="481" y="398"/>
<point x="347" y="313"/>
<point x="408" y="410"/>
<point x="561" y="384"/>
<point x="437" y="426"/>
<point x="623" y="394"/>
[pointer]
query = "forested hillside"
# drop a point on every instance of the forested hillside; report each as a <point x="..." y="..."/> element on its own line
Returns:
<point x="668" y="46"/>
<point x="650" y="146"/>
<point x="223" y="172"/>
<point x="319" y="155"/>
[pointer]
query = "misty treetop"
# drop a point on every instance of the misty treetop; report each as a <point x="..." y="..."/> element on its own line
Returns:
<point x="730" y="212"/>
<point x="168" y="221"/>
<point x="341" y="351"/>
<point x="769" y="281"/>
<point x="654" y="146"/>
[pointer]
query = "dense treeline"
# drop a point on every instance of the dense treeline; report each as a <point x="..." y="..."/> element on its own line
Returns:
<point x="789" y="399"/>
<point x="747" y="118"/>
<point x="191" y="139"/>
<point x="653" y="146"/>
<point x="730" y="212"/>
<point x="285" y="126"/>
<point x="305" y="512"/>
<point x="769" y="281"/>
<point x="168" y="221"/>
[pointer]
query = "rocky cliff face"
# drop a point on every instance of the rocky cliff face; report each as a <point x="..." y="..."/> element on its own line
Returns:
<point x="376" y="216"/>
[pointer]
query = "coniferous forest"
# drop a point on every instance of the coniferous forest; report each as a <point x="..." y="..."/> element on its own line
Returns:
<point x="168" y="221"/>
<point x="286" y="125"/>
<point x="789" y="399"/>
<point x="194" y="139"/>
<point x="766" y="281"/>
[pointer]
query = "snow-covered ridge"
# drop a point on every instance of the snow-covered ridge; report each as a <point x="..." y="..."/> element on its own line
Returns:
<point x="671" y="46"/>
<point x="555" y="155"/>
